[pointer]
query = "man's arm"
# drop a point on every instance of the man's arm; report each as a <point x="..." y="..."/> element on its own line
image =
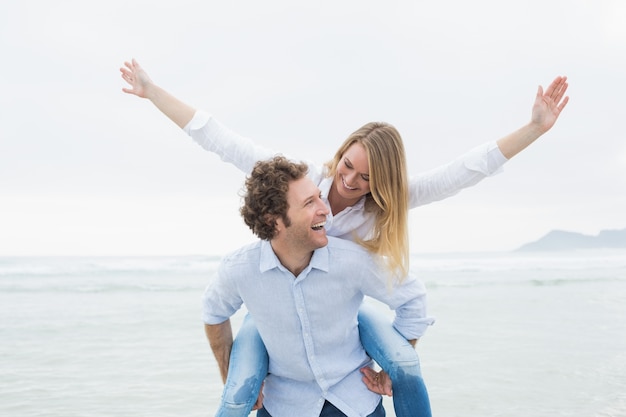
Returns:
<point x="220" y="338"/>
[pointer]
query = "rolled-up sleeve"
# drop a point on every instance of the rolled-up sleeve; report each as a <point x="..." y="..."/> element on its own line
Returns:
<point x="412" y="319"/>
<point x="407" y="299"/>
<point x="220" y="299"/>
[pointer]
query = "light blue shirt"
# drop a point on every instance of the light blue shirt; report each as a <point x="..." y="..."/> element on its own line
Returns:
<point x="309" y="323"/>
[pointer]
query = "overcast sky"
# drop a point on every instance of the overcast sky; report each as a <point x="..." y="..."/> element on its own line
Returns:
<point x="88" y="170"/>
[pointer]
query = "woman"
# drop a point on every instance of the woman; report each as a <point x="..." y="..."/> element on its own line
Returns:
<point x="368" y="191"/>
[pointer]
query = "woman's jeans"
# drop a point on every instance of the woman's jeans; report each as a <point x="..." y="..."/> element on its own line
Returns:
<point x="396" y="356"/>
<point x="247" y="370"/>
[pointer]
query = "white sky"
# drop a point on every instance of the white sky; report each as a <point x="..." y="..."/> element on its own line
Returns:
<point x="88" y="170"/>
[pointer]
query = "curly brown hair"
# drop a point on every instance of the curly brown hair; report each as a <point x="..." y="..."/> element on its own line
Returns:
<point x="265" y="197"/>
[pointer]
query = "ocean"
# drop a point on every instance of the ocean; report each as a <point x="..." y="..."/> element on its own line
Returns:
<point x="517" y="334"/>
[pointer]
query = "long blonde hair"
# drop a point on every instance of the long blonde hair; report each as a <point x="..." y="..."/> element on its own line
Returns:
<point x="388" y="198"/>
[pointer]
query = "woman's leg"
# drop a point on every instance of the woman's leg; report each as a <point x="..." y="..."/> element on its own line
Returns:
<point x="399" y="359"/>
<point x="246" y="371"/>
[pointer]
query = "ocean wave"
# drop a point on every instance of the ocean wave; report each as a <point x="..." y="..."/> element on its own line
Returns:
<point x="101" y="287"/>
<point x="421" y="263"/>
<point x="97" y="266"/>
<point x="578" y="260"/>
<point x="184" y="273"/>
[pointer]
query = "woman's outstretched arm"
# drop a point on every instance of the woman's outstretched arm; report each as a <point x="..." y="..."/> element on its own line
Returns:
<point x="545" y="112"/>
<point x="142" y="86"/>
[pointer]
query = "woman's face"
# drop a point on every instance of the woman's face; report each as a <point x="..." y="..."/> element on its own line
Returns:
<point x="353" y="173"/>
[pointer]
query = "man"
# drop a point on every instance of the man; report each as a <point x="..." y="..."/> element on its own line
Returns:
<point x="303" y="290"/>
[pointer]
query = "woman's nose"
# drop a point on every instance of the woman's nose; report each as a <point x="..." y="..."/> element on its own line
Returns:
<point x="351" y="180"/>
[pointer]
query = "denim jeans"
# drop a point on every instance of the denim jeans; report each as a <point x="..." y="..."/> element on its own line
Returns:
<point x="398" y="358"/>
<point x="246" y="371"/>
<point x="330" y="410"/>
<point x="249" y="361"/>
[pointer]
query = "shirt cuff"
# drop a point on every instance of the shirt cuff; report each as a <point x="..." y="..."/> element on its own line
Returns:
<point x="413" y="330"/>
<point x="486" y="159"/>
<point x="199" y="119"/>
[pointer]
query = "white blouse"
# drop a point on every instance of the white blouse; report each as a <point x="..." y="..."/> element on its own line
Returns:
<point x="436" y="184"/>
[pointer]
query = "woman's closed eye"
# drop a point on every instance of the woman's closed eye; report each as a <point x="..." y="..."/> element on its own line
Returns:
<point x="348" y="164"/>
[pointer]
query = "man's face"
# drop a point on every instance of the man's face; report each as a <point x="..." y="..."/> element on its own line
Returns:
<point x="307" y="213"/>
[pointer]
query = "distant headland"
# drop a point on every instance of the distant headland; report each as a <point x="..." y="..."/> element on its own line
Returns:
<point x="562" y="240"/>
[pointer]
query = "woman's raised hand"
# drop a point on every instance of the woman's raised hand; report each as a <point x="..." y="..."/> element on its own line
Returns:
<point x="137" y="78"/>
<point x="548" y="105"/>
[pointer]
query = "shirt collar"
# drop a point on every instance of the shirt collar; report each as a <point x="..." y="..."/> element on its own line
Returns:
<point x="320" y="259"/>
<point x="269" y="260"/>
<point x="324" y="187"/>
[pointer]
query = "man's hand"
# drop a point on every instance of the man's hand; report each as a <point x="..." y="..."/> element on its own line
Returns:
<point x="259" y="401"/>
<point x="378" y="382"/>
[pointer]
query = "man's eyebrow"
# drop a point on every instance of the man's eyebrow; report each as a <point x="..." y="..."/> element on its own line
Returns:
<point x="311" y="197"/>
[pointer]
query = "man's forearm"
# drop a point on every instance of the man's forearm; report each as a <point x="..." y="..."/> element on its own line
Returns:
<point x="220" y="338"/>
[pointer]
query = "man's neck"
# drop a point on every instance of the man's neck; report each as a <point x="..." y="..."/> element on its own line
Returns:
<point x="295" y="261"/>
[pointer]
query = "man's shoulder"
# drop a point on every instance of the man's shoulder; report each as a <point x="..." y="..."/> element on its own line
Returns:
<point x="244" y="255"/>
